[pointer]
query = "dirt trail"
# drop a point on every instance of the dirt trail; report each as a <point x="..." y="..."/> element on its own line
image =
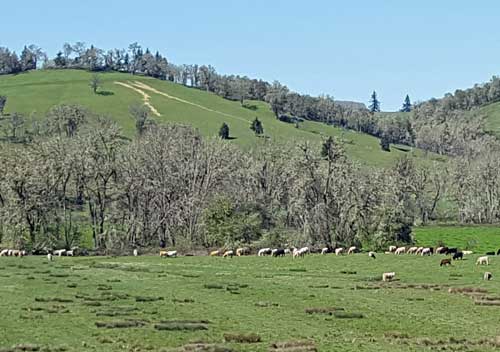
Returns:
<point x="139" y="86"/>
<point x="145" y="97"/>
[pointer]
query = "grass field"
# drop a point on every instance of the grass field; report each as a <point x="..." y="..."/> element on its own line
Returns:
<point x="480" y="239"/>
<point x="33" y="93"/>
<point x="336" y="303"/>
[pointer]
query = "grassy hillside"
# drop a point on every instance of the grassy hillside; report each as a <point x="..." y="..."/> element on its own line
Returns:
<point x="35" y="92"/>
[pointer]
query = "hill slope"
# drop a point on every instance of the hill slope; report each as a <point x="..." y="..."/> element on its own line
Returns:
<point x="37" y="91"/>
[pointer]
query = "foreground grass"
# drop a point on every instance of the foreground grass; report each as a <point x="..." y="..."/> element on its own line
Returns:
<point x="34" y="93"/>
<point x="335" y="303"/>
<point x="480" y="239"/>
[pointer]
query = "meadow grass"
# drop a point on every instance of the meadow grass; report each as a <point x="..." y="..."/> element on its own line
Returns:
<point x="480" y="238"/>
<point x="34" y="93"/>
<point x="259" y="304"/>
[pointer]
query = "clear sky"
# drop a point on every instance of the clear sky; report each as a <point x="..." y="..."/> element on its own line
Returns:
<point x="343" y="48"/>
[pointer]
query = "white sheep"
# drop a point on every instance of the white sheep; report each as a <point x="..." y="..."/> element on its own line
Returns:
<point x="264" y="251"/>
<point x="487" y="276"/>
<point x="483" y="261"/>
<point x="324" y="250"/>
<point x="172" y="254"/>
<point x="388" y="276"/>
<point x="70" y="253"/>
<point x="400" y="250"/>
<point x="412" y="250"/>
<point x="60" y="252"/>
<point x="136" y="252"/>
<point x="4" y="252"/>
<point x="392" y="248"/>
<point x="352" y="250"/>
<point x="49" y="257"/>
<point x="372" y="255"/>
<point x="338" y="251"/>
<point x="425" y="251"/>
<point x="467" y="252"/>
<point x="228" y="254"/>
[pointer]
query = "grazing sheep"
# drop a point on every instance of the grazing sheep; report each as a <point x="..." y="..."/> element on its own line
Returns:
<point x="392" y="248"/>
<point x="136" y="252"/>
<point x="483" y="261"/>
<point x="242" y="251"/>
<point x="452" y="250"/>
<point x="425" y="251"/>
<point x="264" y="251"/>
<point x="412" y="250"/>
<point x="70" y="253"/>
<point x="171" y="254"/>
<point x="228" y="254"/>
<point x="419" y="250"/>
<point x="4" y="252"/>
<point x="287" y="251"/>
<point x="327" y="249"/>
<point x="441" y="250"/>
<point x="59" y="252"/>
<point x="300" y="252"/>
<point x="498" y="252"/>
<point x="372" y="255"/>
<point x="352" y="250"/>
<point x="400" y="250"/>
<point x="163" y="253"/>
<point x="14" y="253"/>
<point x="9" y="253"/>
<point x="305" y="250"/>
<point x="388" y="276"/>
<point x="467" y="252"/>
<point x="49" y="257"/>
<point x="445" y="262"/>
<point x="279" y="252"/>
<point x="387" y="252"/>
<point x="339" y="251"/>
<point x="487" y="276"/>
<point x="490" y="253"/>
<point x="215" y="253"/>
<point x="458" y="255"/>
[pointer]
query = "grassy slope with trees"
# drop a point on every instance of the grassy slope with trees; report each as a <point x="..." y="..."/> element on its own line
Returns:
<point x="35" y="92"/>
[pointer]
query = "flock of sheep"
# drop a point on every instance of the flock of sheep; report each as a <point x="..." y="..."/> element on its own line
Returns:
<point x="301" y="252"/>
<point x="388" y="276"/>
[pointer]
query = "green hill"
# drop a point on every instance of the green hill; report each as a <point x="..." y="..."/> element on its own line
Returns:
<point x="35" y="92"/>
<point x="492" y="113"/>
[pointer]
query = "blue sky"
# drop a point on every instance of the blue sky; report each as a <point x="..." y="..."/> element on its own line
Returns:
<point x="343" y="48"/>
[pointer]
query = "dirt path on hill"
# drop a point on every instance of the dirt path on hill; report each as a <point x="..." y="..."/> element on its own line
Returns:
<point x="139" y="86"/>
<point x="145" y="97"/>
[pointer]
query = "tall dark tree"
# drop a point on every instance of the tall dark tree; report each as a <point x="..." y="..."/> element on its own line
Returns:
<point x="224" y="131"/>
<point x="385" y="143"/>
<point x="3" y="102"/>
<point x="257" y="127"/>
<point x="374" y="103"/>
<point x="407" y="104"/>
<point x="60" y="60"/>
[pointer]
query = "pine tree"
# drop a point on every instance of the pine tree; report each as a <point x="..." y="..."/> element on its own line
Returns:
<point x="374" y="103"/>
<point x="406" y="105"/>
<point x="224" y="131"/>
<point x="257" y="127"/>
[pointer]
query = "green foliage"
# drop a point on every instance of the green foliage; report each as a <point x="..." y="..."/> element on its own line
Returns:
<point x="406" y="105"/>
<point x="385" y="143"/>
<point x="95" y="82"/>
<point x="227" y="226"/>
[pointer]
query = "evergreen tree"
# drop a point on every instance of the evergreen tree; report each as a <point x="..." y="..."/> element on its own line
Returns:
<point x="60" y="60"/>
<point x="406" y="105"/>
<point x="224" y="131"/>
<point x="374" y="103"/>
<point x="3" y="101"/>
<point x="385" y="143"/>
<point x="257" y="127"/>
<point x="27" y="60"/>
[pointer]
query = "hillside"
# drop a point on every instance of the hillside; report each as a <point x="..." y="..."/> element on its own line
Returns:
<point x="33" y="93"/>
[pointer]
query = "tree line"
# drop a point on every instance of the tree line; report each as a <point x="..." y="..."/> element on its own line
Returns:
<point x="78" y="175"/>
